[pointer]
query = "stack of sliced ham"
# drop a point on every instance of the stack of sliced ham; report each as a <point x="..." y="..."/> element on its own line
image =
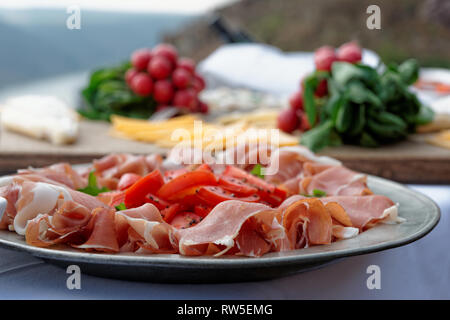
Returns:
<point x="44" y="206"/>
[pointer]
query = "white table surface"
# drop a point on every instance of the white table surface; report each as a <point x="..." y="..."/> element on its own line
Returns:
<point x="420" y="270"/>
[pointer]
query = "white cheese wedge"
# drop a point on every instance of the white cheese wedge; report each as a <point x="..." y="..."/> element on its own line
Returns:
<point x="41" y="117"/>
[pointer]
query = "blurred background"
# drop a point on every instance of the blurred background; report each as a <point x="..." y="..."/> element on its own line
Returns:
<point x="37" y="44"/>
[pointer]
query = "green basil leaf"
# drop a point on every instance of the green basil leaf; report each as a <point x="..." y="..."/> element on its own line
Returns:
<point x="344" y="117"/>
<point x="121" y="207"/>
<point x="308" y="96"/>
<point x="409" y="71"/>
<point x="425" y="115"/>
<point x="256" y="171"/>
<point x="319" y="193"/>
<point x="359" y="121"/>
<point x="92" y="187"/>
<point x="367" y="140"/>
<point x="318" y="137"/>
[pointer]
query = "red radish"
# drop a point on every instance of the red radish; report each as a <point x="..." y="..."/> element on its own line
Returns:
<point x="322" y="89"/>
<point x="181" y="78"/>
<point x="324" y="58"/>
<point x="142" y="84"/>
<point x="163" y="91"/>
<point x="184" y="98"/>
<point x="162" y="107"/>
<point x="288" y="120"/>
<point x="187" y="64"/>
<point x="140" y="59"/>
<point x="159" y="67"/>
<point x="304" y="123"/>
<point x="198" y="83"/>
<point x="296" y="101"/>
<point x="203" y="107"/>
<point x="349" y="52"/>
<point x="129" y="75"/>
<point x="168" y="51"/>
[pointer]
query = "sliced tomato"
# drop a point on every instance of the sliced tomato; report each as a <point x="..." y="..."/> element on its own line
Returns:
<point x="281" y="193"/>
<point x="268" y="192"/>
<point x="127" y="180"/>
<point x="169" y="213"/>
<point x="135" y="195"/>
<point x="236" y="186"/>
<point x="249" y="179"/>
<point x="171" y="174"/>
<point x="184" y="193"/>
<point x="214" y="195"/>
<point x="271" y="199"/>
<point x="157" y="202"/>
<point x="204" y="167"/>
<point x="185" y="220"/>
<point x="186" y="181"/>
<point x="202" y="210"/>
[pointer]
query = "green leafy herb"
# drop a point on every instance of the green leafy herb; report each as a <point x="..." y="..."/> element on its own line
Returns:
<point x="107" y="93"/>
<point x="319" y="193"/>
<point x="364" y="107"/>
<point x="92" y="187"/>
<point x="121" y="207"/>
<point x="257" y="171"/>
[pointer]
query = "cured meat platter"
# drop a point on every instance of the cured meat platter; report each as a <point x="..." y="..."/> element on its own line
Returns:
<point x="420" y="212"/>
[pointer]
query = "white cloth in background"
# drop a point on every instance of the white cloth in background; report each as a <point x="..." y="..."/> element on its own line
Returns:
<point x="262" y="67"/>
<point x="440" y="103"/>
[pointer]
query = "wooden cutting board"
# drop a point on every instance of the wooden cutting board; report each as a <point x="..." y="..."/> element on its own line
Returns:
<point x="412" y="161"/>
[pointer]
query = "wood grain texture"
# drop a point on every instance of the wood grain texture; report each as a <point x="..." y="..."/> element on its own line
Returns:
<point x="412" y="161"/>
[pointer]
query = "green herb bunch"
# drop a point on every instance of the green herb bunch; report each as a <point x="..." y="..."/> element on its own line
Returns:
<point x="364" y="106"/>
<point x="108" y="93"/>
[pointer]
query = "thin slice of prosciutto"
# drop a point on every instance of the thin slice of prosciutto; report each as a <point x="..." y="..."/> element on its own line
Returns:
<point x="249" y="229"/>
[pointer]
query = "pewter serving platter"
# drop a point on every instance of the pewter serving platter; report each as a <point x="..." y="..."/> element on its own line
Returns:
<point x="421" y="214"/>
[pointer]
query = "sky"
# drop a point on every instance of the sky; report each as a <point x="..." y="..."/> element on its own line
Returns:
<point x="167" y="6"/>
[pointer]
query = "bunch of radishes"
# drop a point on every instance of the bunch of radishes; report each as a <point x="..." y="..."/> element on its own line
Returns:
<point x="294" y="117"/>
<point x="168" y="79"/>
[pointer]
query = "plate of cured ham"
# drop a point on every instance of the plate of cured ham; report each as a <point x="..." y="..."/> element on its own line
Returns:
<point x="150" y="218"/>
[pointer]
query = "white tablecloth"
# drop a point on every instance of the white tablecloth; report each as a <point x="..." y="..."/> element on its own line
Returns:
<point x="420" y="270"/>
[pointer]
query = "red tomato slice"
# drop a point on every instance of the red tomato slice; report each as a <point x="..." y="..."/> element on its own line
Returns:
<point x="202" y="210"/>
<point x="184" y="193"/>
<point x="249" y="179"/>
<point x="214" y="195"/>
<point x="281" y="193"/>
<point x="169" y="213"/>
<point x="271" y="199"/>
<point x="237" y="186"/>
<point x="127" y="180"/>
<point x="157" y="202"/>
<point x="186" y="181"/>
<point x="267" y="191"/>
<point x="204" y="167"/>
<point x="185" y="220"/>
<point x="171" y="174"/>
<point x="135" y="195"/>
